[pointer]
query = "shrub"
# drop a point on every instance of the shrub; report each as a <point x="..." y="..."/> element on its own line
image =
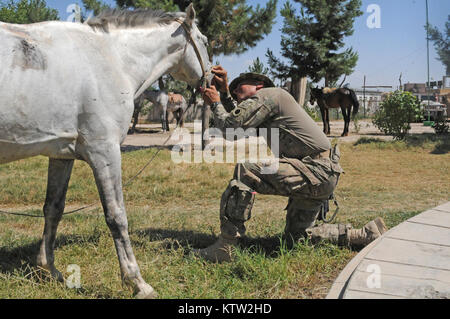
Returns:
<point x="313" y="112"/>
<point x="396" y="113"/>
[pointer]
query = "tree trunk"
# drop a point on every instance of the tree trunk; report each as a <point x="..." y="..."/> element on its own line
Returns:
<point x="327" y="82"/>
<point x="298" y="90"/>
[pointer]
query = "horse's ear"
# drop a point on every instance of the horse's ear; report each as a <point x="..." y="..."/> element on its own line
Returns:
<point x="190" y="15"/>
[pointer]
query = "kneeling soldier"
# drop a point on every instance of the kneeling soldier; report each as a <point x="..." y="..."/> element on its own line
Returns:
<point x="308" y="167"/>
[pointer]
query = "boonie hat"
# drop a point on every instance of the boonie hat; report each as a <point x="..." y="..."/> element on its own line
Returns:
<point x="249" y="76"/>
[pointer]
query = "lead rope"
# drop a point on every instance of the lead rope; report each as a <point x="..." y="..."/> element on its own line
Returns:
<point x="125" y="184"/>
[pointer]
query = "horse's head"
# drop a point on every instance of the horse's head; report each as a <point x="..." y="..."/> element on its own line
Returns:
<point x="314" y="95"/>
<point x="194" y="65"/>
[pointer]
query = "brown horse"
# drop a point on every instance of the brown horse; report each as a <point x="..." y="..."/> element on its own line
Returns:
<point x="328" y="98"/>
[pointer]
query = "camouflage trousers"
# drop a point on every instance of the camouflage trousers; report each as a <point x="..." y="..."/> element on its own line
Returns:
<point x="307" y="183"/>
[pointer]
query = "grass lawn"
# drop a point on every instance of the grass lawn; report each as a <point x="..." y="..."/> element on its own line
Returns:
<point x="174" y="207"/>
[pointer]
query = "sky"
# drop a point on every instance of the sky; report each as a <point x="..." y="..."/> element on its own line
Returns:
<point x="397" y="47"/>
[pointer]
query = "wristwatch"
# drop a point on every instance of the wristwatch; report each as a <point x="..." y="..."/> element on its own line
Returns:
<point x="214" y="105"/>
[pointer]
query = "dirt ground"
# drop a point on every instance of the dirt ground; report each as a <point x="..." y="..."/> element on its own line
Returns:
<point x="152" y="135"/>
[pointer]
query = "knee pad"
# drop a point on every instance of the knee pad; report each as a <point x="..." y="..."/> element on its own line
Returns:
<point x="237" y="201"/>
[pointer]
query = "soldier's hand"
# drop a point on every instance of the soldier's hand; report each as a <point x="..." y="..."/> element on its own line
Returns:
<point x="220" y="79"/>
<point x="210" y="95"/>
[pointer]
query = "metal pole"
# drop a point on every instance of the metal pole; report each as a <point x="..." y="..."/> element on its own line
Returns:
<point x="364" y="96"/>
<point x="428" y="63"/>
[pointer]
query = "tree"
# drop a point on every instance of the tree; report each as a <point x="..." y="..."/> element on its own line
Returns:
<point x="311" y="41"/>
<point x="95" y="6"/>
<point x="258" y="67"/>
<point x="231" y="26"/>
<point x="27" y="11"/>
<point x="441" y="43"/>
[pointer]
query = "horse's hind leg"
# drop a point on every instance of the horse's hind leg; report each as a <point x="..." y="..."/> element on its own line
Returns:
<point x="105" y="161"/>
<point x="324" y="120"/>
<point x="346" y="115"/>
<point x="58" y="179"/>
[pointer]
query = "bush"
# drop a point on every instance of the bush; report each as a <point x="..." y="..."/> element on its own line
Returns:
<point x="313" y="112"/>
<point x="396" y="112"/>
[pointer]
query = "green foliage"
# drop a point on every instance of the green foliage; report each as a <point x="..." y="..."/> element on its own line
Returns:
<point x="166" y="5"/>
<point x="313" y="112"/>
<point x="26" y="11"/>
<point x="258" y="67"/>
<point x="311" y="40"/>
<point x="172" y="85"/>
<point x="441" y="43"/>
<point x="95" y="5"/>
<point x="396" y="113"/>
<point x="231" y="26"/>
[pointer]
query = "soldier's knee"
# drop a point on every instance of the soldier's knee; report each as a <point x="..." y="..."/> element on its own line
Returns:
<point x="237" y="202"/>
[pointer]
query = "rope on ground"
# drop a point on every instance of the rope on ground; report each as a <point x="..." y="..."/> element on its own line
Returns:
<point x="130" y="181"/>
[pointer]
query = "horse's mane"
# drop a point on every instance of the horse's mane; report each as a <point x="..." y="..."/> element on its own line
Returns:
<point x="129" y="19"/>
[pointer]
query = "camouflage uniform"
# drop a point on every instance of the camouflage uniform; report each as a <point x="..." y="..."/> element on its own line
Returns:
<point x="308" y="167"/>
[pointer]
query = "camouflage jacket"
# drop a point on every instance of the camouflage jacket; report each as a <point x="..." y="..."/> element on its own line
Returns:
<point x="274" y="108"/>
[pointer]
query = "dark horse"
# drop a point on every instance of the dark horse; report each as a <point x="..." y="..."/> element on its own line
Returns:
<point x="333" y="98"/>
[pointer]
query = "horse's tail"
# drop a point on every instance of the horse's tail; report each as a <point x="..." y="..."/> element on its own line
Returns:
<point x="355" y="102"/>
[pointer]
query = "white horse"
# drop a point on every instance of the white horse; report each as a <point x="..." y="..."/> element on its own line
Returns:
<point x="165" y="103"/>
<point x="168" y="102"/>
<point x="67" y="91"/>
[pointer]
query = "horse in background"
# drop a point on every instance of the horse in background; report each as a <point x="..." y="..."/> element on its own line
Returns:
<point x="328" y="98"/>
<point x="166" y="102"/>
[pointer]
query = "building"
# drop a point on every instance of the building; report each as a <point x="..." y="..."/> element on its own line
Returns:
<point x="373" y="99"/>
<point x="438" y="91"/>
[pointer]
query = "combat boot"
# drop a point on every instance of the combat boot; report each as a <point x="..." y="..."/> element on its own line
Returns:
<point x="344" y="235"/>
<point x="220" y="251"/>
<point x="358" y="238"/>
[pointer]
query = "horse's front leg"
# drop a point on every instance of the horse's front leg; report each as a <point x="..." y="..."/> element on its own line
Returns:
<point x="327" y="121"/>
<point x="58" y="179"/>
<point x="137" y="110"/>
<point x="167" y="121"/>
<point x="105" y="161"/>
<point x="164" y="118"/>
<point x="322" y="113"/>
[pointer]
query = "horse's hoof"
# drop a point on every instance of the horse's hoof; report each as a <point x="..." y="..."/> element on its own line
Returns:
<point x="146" y="292"/>
<point x="53" y="273"/>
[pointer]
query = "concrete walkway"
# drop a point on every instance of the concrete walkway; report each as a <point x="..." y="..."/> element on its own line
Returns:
<point x="411" y="260"/>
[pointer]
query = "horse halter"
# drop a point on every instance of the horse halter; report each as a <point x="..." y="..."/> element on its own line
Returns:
<point x="206" y="74"/>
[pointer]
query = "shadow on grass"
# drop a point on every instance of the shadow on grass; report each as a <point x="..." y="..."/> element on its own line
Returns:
<point x="186" y="240"/>
<point x="23" y="259"/>
<point x="26" y="255"/>
<point x="441" y="142"/>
